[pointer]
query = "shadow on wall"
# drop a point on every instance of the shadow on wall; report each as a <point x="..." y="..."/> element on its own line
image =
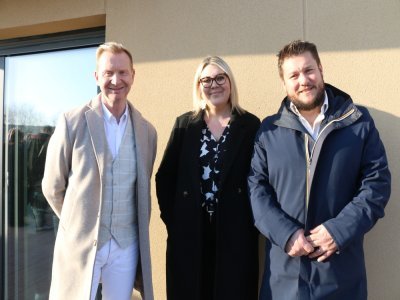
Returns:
<point x="382" y="243"/>
<point x="237" y="28"/>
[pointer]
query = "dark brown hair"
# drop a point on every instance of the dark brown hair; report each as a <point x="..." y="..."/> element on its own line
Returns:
<point x="296" y="48"/>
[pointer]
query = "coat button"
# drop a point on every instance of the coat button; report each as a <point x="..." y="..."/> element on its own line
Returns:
<point x="94" y="243"/>
<point x="239" y="190"/>
<point x="185" y="194"/>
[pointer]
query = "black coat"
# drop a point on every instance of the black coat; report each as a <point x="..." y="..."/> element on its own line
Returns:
<point x="178" y="192"/>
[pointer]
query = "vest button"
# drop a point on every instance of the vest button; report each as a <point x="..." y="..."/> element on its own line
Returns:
<point x="185" y="194"/>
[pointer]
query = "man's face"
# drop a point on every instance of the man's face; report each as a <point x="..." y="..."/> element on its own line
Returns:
<point x="303" y="81"/>
<point x="114" y="76"/>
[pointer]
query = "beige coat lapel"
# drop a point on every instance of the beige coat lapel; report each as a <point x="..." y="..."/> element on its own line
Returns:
<point x="144" y="167"/>
<point x="95" y="123"/>
<point x="142" y="145"/>
<point x="145" y="153"/>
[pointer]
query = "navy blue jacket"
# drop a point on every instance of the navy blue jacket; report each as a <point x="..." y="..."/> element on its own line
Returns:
<point x="341" y="181"/>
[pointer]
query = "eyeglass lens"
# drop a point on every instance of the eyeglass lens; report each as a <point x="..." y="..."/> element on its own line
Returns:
<point x="207" y="81"/>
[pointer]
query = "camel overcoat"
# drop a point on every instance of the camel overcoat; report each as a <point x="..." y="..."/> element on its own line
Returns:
<point x="73" y="185"/>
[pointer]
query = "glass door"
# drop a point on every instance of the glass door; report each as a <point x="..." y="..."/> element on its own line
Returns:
<point x="37" y="89"/>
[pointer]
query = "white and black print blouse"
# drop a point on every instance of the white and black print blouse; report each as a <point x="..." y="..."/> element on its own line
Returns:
<point x="211" y="159"/>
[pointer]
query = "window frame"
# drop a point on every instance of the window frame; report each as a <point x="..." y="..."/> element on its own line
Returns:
<point x="29" y="45"/>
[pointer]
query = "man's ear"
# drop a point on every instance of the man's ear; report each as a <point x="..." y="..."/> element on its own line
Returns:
<point x="321" y="70"/>
<point x="96" y="76"/>
<point x="133" y="74"/>
<point x="283" y="84"/>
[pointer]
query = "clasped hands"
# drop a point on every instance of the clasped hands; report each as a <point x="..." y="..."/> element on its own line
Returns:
<point x="319" y="244"/>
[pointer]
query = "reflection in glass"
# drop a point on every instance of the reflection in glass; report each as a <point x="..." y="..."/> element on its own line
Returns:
<point x="38" y="87"/>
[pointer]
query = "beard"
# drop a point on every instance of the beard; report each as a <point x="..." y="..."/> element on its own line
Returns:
<point x="316" y="102"/>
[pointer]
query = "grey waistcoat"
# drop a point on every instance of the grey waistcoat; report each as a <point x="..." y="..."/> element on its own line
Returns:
<point x="118" y="213"/>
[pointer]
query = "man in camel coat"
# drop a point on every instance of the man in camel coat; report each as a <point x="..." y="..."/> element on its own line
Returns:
<point x="97" y="180"/>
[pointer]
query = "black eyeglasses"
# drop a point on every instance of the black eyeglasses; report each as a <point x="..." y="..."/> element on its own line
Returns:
<point x="208" y="81"/>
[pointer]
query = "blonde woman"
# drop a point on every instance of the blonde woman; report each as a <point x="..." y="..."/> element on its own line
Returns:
<point x="202" y="192"/>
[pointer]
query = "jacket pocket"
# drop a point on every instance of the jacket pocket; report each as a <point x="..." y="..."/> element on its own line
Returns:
<point x="67" y="208"/>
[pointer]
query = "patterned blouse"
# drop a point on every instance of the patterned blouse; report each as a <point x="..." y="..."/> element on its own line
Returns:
<point x="211" y="159"/>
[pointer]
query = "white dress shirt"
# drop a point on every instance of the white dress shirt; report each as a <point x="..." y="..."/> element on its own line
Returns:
<point x="114" y="130"/>
<point x="314" y="129"/>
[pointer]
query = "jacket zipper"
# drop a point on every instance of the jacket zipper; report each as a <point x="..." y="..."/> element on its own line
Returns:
<point x="309" y="155"/>
<point x="308" y="161"/>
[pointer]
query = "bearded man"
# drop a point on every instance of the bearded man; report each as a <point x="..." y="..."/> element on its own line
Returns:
<point x="319" y="181"/>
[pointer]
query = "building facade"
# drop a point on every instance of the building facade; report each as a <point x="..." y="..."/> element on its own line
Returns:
<point x="359" y="45"/>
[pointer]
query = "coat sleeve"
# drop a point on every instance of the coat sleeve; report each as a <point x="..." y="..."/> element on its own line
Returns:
<point x="57" y="166"/>
<point x="153" y="143"/>
<point x="371" y="197"/>
<point x="152" y="136"/>
<point x="167" y="173"/>
<point x="269" y="218"/>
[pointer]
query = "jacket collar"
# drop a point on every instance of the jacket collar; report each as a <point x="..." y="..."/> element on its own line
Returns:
<point x="237" y="134"/>
<point x="340" y="104"/>
<point x="95" y="124"/>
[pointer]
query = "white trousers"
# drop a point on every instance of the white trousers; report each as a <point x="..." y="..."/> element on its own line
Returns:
<point x="115" y="268"/>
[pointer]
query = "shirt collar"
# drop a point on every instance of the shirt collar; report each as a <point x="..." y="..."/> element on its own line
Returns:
<point x="108" y="116"/>
<point x="324" y="106"/>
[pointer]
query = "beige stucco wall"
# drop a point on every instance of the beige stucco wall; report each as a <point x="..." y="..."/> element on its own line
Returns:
<point x="20" y="18"/>
<point x="359" y="44"/>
